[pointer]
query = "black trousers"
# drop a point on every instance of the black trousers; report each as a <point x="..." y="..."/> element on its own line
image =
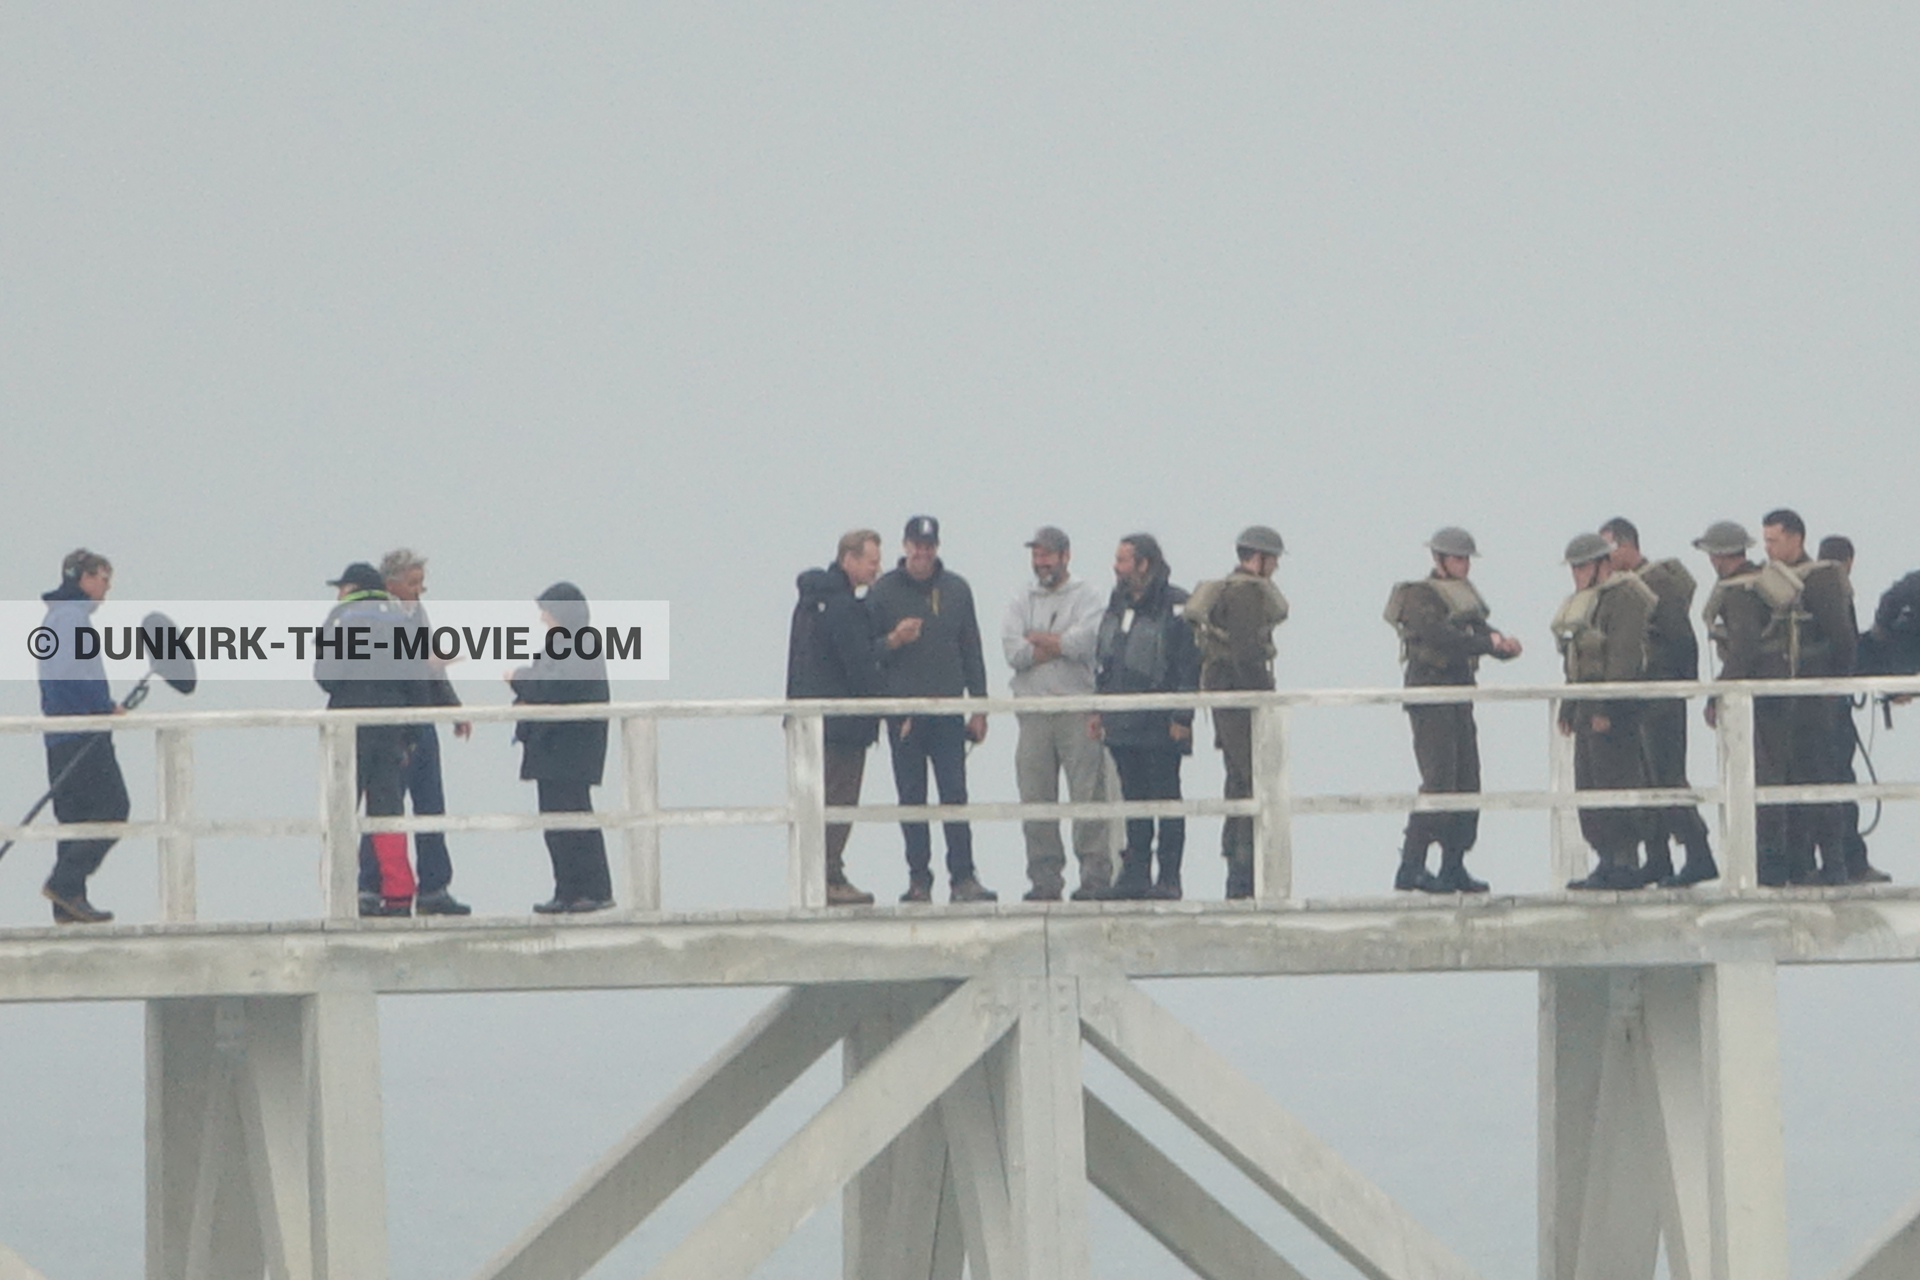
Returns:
<point x="420" y="781"/>
<point x="1663" y="744"/>
<point x="380" y="769"/>
<point x="1794" y="743"/>
<point x="579" y="857"/>
<point x="1609" y="761"/>
<point x="1233" y="734"/>
<point x="93" y="792"/>
<point x="1446" y="745"/>
<point x="1151" y="773"/>
<point x="939" y="741"/>
<point x="1844" y="744"/>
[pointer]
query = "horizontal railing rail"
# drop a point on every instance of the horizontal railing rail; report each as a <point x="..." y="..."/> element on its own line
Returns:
<point x="640" y="817"/>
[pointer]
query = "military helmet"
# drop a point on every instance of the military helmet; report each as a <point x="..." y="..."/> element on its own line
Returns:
<point x="1258" y="537"/>
<point x="1588" y="547"/>
<point x="1724" y="538"/>
<point x="1452" y="541"/>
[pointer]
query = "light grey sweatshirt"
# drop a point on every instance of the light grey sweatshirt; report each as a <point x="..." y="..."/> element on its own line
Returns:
<point x="1074" y="611"/>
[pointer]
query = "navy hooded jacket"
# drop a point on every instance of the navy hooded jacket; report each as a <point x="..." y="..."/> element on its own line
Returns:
<point x="71" y="686"/>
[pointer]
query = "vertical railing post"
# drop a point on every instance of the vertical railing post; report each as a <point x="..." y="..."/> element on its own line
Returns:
<point x="1273" y="794"/>
<point x="1739" y="818"/>
<point x="178" y="889"/>
<point x="339" y="822"/>
<point x="640" y="752"/>
<point x="1569" y="847"/>
<point x="806" y="810"/>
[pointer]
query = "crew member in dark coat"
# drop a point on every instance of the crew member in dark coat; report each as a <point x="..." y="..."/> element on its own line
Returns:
<point x="92" y="789"/>
<point x="565" y="759"/>
<point x="830" y="654"/>
<point x="943" y="661"/>
<point x="1837" y="550"/>
<point x="1673" y="653"/>
<point x="1601" y="630"/>
<point x="380" y="750"/>
<point x="404" y="575"/>
<point x="1442" y="622"/>
<point x="1233" y="620"/>
<point x="1146" y="646"/>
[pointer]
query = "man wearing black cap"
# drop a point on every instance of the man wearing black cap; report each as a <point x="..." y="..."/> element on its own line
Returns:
<point x="386" y="878"/>
<point x="944" y="662"/>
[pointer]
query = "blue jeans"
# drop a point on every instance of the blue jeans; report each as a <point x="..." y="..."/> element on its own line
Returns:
<point x="421" y="781"/>
<point x="940" y="741"/>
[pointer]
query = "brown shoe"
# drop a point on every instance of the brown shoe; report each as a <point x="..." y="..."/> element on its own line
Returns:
<point x="73" y="908"/>
<point x="842" y="894"/>
<point x="971" y="890"/>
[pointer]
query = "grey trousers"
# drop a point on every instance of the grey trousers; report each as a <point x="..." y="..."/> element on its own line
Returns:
<point x="1052" y="743"/>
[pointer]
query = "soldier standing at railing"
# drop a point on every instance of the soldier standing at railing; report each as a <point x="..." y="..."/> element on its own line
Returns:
<point x="1442" y="622"/>
<point x="1601" y="630"/>
<point x="1673" y="653"/>
<point x="1233" y="620"/>
<point x="1738" y="618"/>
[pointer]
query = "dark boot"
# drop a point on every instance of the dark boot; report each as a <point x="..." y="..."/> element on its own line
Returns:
<point x="1239" y="875"/>
<point x="1618" y="870"/>
<point x="1413" y="873"/>
<point x="1134" y="880"/>
<point x="1659" y="864"/>
<point x="1699" y="866"/>
<point x="1453" y="877"/>
<point x="1167" y="885"/>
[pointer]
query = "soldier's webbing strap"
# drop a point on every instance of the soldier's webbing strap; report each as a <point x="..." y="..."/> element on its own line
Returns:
<point x="1460" y="598"/>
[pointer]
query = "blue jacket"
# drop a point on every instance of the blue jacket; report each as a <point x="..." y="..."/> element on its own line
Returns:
<point x="71" y="686"/>
<point x="1146" y="646"/>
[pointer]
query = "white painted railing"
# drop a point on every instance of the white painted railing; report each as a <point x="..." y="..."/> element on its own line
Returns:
<point x="641" y="818"/>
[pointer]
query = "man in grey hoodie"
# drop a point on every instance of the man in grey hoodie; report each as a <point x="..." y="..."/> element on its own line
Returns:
<point x="1048" y="635"/>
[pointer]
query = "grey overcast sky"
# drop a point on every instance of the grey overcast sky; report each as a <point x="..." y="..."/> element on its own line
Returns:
<point x="662" y="298"/>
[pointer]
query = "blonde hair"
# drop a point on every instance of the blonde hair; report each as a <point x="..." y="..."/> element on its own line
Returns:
<point x="853" y="542"/>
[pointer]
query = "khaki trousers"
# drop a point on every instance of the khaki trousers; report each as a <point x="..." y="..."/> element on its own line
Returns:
<point x="1052" y="743"/>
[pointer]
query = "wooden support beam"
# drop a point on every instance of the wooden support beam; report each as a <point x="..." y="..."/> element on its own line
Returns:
<point x="902" y="1082"/>
<point x="977" y="1177"/>
<point x="347" y="1150"/>
<point x="1206" y="1236"/>
<point x="1892" y="1254"/>
<point x="670" y="1145"/>
<point x="1746" y="1146"/>
<point x="1270" y="1146"/>
<point x="15" y="1267"/>
<point x="1039" y="1090"/>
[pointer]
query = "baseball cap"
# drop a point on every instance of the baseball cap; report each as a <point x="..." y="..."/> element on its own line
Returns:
<point x="923" y="529"/>
<point x="361" y="576"/>
<point x="1050" y="538"/>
